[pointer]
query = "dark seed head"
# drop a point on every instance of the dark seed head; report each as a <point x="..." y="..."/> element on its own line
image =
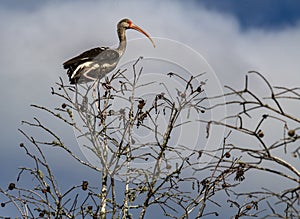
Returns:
<point x="141" y="104"/>
<point x="199" y="89"/>
<point x="261" y="134"/>
<point x="227" y="155"/>
<point x="291" y="132"/>
<point x="11" y="186"/>
<point x="84" y="185"/>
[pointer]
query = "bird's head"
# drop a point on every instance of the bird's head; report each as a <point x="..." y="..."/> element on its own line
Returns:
<point x="128" y="24"/>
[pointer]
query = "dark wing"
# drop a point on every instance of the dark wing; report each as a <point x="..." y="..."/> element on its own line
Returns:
<point x="86" y="56"/>
<point x="103" y="57"/>
<point x="101" y="65"/>
<point x="83" y="57"/>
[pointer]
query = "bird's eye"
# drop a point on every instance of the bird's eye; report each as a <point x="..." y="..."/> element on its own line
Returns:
<point x="128" y="23"/>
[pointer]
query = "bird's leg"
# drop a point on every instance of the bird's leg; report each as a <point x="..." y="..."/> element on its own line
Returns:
<point x="89" y="77"/>
<point x="96" y="95"/>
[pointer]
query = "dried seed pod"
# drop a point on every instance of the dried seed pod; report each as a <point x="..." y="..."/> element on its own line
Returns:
<point x="84" y="185"/>
<point x="239" y="174"/>
<point x="224" y="185"/>
<point x="260" y="134"/>
<point x="141" y="104"/>
<point x="11" y="186"/>
<point x="199" y="89"/>
<point x="291" y="132"/>
<point x="248" y="207"/>
<point x="227" y="154"/>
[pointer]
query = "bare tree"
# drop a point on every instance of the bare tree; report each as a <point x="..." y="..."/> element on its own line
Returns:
<point x="269" y="145"/>
<point x="111" y="120"/>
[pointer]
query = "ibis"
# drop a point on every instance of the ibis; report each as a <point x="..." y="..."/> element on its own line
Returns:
<point x="96" y="63"/>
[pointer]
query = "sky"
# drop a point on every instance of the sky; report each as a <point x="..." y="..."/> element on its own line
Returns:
<point x="38" y="36"/>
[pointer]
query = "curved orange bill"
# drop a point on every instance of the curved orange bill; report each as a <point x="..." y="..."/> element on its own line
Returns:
<point x="133" y="26"/>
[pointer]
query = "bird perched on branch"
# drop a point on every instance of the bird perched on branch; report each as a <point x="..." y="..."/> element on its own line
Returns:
<point x="97" y="62"/>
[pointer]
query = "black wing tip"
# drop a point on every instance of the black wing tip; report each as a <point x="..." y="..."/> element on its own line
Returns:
<point x="70" y="73"/>
<point x="73" y="80"/>
<point x="66" y="64"/>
